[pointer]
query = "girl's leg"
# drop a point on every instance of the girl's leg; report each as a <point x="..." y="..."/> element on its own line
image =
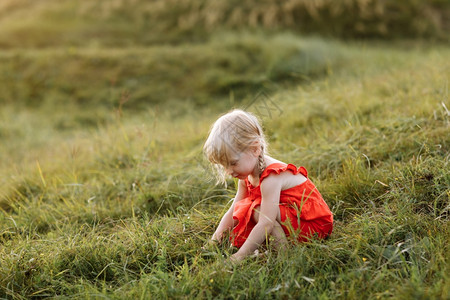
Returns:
<point x="279" y="235"/>
<point x="277" y="231"/>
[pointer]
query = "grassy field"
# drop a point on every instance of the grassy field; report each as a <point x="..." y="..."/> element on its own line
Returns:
<point x="104" y="192"/>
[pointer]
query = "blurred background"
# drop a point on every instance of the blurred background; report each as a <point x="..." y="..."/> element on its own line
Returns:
<point x="89" y="52"/>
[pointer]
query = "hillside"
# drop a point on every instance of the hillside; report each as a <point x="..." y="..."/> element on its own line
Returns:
<point x="105" y="193"/>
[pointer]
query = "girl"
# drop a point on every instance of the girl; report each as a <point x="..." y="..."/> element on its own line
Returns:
<point x="273" y="198"/>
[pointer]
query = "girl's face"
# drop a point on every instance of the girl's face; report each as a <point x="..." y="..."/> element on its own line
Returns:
<point x="244" y="164"/>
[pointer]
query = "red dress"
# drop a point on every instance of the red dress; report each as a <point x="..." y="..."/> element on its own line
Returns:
<point x="303" y="211"/>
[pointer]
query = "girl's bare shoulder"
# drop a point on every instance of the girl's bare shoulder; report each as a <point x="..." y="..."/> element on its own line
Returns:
<point x="285" y="180"/>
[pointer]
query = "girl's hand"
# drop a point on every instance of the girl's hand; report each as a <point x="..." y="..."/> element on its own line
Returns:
<point x="210" y="245"/>
<point x="236" y="258"/>
<point x="217" y="237"/>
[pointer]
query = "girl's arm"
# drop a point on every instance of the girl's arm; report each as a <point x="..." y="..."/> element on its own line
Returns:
<point x="227" y="220"/>
<point x="270" y="193"/>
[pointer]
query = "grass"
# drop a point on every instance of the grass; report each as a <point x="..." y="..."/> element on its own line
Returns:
<point x="104" y="192"/>
<point x="151" y="75"/>
<point x="50" y="23"/>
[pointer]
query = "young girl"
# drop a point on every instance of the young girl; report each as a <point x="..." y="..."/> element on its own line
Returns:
<point x="273" y="198"/>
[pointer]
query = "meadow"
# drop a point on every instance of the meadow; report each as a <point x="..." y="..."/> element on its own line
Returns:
<point x="104" y="190"/>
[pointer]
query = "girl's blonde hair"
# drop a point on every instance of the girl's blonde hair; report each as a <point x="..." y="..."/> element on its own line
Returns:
<point x="232" y="134"/>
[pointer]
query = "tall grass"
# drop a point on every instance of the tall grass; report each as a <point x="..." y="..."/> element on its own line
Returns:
<point x="115" y="202"/>
<point x="138" y="77"/>
<point x="51" y="23"/>
<point x="104" y="191"/>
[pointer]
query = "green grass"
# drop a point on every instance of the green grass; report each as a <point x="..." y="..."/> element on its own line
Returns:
<point x="104" y="192"/>
<point x="106" y="23"/>
<point x="103" y="77"/>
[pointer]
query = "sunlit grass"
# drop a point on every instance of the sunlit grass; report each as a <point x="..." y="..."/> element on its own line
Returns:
<point x="112" y="198"/>
<point x="125" y="23"/>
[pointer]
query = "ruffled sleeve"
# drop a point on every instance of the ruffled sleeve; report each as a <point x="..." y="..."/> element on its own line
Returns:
<point x="277" y="168"/>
